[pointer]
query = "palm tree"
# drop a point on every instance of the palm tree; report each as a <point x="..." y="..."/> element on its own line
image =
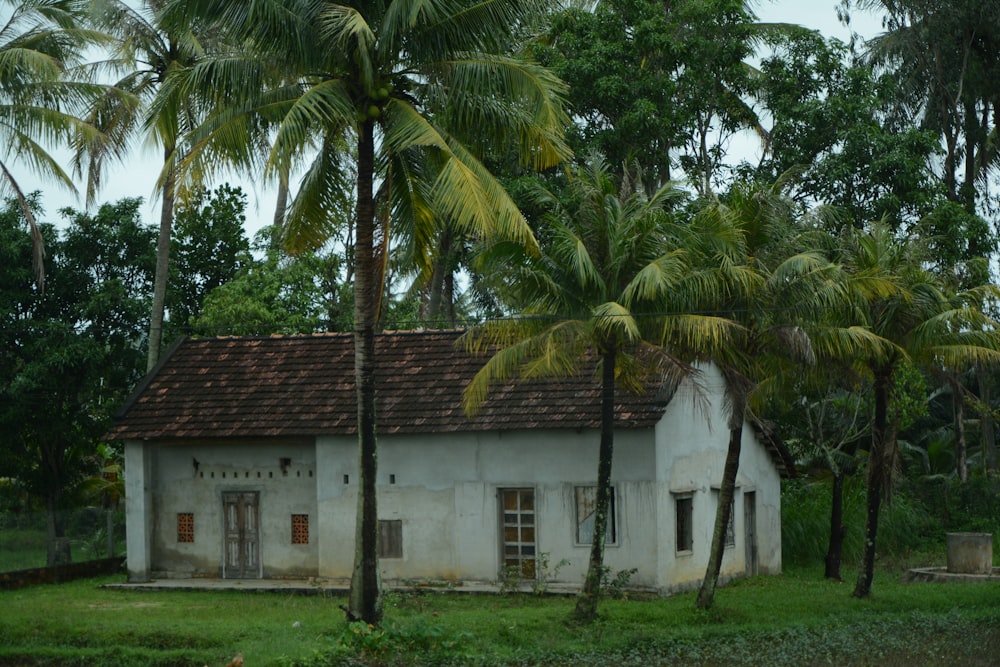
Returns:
<point x="919" y="322"/>
<point x="613" y="263"/>
<point x="148" y="50"/>
<point x="411" y="94"/>
<point x="40" y="43"/>
<point x="780" y="281"/>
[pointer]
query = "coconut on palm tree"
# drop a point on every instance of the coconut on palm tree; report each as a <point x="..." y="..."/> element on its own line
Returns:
<point x="411" y="95"/>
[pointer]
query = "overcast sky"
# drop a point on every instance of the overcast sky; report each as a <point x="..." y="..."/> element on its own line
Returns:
<point x="137" y="177"/>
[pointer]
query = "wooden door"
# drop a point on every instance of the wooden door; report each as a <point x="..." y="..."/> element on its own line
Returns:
<point x="750" y="529"/>
<point x="241" y="546"/>
<point x="517" y="523"/>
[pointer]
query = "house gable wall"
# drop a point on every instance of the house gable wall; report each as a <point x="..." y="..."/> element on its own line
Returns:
<point x="692" y="440"/>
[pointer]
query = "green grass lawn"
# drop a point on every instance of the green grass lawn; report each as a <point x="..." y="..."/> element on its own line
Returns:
<point x="794" y="619"/>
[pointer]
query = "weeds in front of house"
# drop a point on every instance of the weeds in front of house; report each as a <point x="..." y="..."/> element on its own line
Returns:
<point x="511" y="578"/>
<point x="797" y="618"/>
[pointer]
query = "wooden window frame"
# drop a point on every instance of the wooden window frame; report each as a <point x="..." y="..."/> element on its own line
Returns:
<point x="579" y="503"/>
<point x="684" y="523"/>
<point x="390" y="538"/>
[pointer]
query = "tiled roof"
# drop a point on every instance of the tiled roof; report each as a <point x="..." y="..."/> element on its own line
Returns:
<point x="303" y="386"/>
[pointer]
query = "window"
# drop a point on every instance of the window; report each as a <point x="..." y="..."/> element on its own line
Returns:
<point x="300" y="529"/>
<point x="586" y="512"/>
<point x="390" y="538"/>
<point x="684" y="510"/>
<point x="730" y="525"/>
<point x="185" y="527"/>
<point x="730" y="530"/>
<point x="517" y="520"/>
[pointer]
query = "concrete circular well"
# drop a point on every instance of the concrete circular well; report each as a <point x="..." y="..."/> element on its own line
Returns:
<point x="969" y="553"/>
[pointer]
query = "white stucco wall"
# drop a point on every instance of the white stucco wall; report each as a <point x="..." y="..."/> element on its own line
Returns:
<point x="445" y="493"/>
<point x="444" y="489"/>
<point x="181" y="487"/>
<point x="692" y="440"/>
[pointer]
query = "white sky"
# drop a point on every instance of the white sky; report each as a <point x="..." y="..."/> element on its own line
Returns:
<point x="136" y="177"/>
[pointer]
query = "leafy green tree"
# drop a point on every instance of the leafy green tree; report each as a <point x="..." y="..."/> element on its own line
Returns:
<point x="209" y="249"/>
<point x="409" y="95"/>
<point x="944" y="56"/>
<point x="825" y="427"/>
<point x="832" y="121"/>
<point x="612" y="262"/>
<point x="279" y="294"/>
<point x="654" y="82"/>
<point x="41" y="41"/>
<point x="69" y="355"/>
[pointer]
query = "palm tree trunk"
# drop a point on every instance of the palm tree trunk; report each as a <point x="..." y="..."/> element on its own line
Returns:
<point x="877" y="479"/>
<point x="706" y="594"/>
<point x="280" y="207"/>
<point x="961" y="448"/>
<point x="162" y="267"/>
<point x="437" y="288"/>
<point x="987" y="433"/>
<point x="365" y="600"/>
<point x="834" y="551"/>
<point x="586" y="604"/>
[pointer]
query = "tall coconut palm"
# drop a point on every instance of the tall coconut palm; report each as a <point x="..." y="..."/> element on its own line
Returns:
<point x="410" y="93"/>
<point x="148" y="50"/>
<point x="40" y="42"/>
<point x="780" y="280"/>
<point x="613" y="263"/>
<point x="919" y="322"/>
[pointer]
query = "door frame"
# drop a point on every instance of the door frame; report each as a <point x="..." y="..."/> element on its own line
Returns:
<point x="243" y="573"/>
<point x="750" y="533"/>
<point x="525" y="560"/>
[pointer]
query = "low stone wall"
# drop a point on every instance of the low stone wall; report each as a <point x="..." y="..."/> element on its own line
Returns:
<point x="53" y="575"/>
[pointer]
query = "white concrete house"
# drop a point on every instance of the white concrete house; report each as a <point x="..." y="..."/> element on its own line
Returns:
<point x="241" y="462"/>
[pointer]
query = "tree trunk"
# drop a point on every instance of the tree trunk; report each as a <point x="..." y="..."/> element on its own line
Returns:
<point x="365" y="601"/>
<point x="706" y="594"/>
<point x="961" y="449"/>
<point x="834" y="551"/>
<point x="878" y="471"/>
<point x="280" y="207"/>
<point x="435" y="299"/>
<point x="586" y="604"/>
<point x="162" y="267"/>
<point x="987" y="433"/>
<point x="109" y="524"/>
<point x="58" y="551"/>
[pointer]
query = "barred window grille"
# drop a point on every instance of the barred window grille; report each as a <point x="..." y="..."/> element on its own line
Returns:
<point x="185" y="527"/>
<point x="300" y="529"/>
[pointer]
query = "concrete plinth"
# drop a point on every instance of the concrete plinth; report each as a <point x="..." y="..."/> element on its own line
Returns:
<point x="969" y="553"/>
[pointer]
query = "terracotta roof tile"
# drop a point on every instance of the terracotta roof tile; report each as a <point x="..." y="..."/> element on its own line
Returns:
<point x="302" y="386"/>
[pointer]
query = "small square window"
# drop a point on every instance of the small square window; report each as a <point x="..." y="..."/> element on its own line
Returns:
<point x="185" y="527"/>
<point x="300" y="529"/>
<point x="586" y="511"/>
<point x="684" y="510"/>
<point x="390" y="538"/>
